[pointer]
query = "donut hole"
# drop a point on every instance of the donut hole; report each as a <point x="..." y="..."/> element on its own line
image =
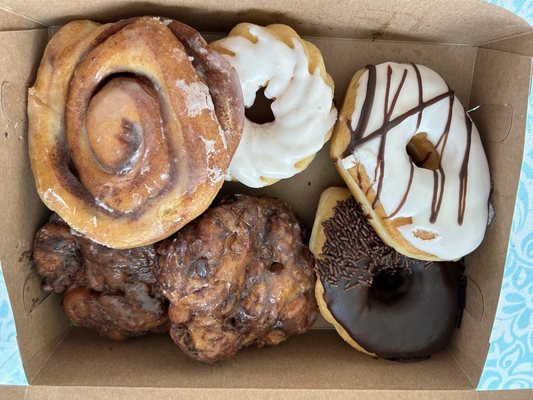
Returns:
<point x="422" y="152"/>
<point x="261" y="111"/>
<point x="390" y="285"/>
<point x="275" y="267"/>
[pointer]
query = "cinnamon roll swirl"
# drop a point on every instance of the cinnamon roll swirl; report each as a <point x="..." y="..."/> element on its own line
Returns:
<point x="132" y="126"/>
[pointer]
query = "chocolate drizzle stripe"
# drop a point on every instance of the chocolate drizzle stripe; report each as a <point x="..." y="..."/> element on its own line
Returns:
<point x="359" y="131"/>
<point x="439" y="176"/>
<point x="387" y="115"/>
<point x="395" y="122"/>
<point x="463" y="174"/>
<point x="404" y="198"/>
<point x="358" y="138"/>
<point x="420" y="93"/>
<point x="446" y="131"/>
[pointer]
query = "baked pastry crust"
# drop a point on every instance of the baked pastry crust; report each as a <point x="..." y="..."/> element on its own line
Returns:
<point x="132" y="126"/>
<point x="238" y="275"/>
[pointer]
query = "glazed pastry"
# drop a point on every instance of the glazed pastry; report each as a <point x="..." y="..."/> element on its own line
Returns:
<point x="380" y="302"/>
<point x="57" y="257"/>
<point x="413" y="159"/>
<point x="238" y="275"/>
<point x="132" y="126"/>
<point x="293" y="75"/>
<point x="112" y="291"/>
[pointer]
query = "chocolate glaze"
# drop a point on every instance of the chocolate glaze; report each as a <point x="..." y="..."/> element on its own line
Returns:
<point x="414" y="320"/>
<point x="353" y="252"/>
<point x="402" y="309"/>
<point x="359" y="136"/>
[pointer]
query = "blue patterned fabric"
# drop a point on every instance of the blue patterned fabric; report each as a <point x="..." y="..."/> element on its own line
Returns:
<point x="11" y="371"/>
<point x="509" y="363"/>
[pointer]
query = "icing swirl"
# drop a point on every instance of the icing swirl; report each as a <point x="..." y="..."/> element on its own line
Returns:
<point x="302" y="106"/>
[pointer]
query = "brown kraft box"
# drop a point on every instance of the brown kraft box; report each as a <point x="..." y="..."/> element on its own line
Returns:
<point x="482" y="51"/>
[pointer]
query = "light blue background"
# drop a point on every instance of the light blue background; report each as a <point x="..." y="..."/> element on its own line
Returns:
<point x="509" y="364"/>
<point x="11" y="371"/>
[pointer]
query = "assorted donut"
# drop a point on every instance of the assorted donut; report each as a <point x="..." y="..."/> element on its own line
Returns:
<point x="381" y="302"/>
<point x="240" y="274"/>
<point x="413" y="159"/>
<point x="135" y="125"/>
<point x="112" y="291"/>
<point x="292" y="73"/>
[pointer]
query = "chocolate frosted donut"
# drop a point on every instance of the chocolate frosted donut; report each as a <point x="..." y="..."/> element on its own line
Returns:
<point x="237" y="276"/>
<point x="381" y="302"/>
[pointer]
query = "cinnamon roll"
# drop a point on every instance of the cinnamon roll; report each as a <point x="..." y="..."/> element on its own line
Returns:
<point x="132" y="126"/>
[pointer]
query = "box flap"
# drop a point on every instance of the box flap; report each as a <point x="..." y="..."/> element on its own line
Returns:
<point x="506" y="394"/>
<point x="21" y="210"/>
<point x="12" y="392"/>
<point x="501" y="119"/>
<point x="105" y="393"/>
<point x="318" y="360"/>
<point x="432" y="20"/>
<point x="10" y="21"/>
<point x="113" y="393"/>
<point x="518" y="44"/>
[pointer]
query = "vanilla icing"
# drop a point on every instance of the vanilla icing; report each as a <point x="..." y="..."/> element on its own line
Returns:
<point x="302" y="107"/>
<point x="456" y="226"/>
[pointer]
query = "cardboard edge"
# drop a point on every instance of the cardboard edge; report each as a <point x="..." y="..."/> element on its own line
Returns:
<point x="506" y="394"/>
<point x="9" y="392"/>
<point x="468" y="366"/>
<point x="11" y="20"/>
<point x="521" y="44"/>
<point x="389" y="20"/>
<point x="122" y="393"/>
<point x="515" y="265"/>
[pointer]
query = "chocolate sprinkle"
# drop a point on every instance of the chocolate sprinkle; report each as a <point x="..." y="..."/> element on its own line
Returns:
<point x="352" y="252"/>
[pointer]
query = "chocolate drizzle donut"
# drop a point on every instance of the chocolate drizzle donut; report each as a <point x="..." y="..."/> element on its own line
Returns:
<point x="380" y="301"/>
<point x="132" y="126"/>
<point x="414" y="160"/>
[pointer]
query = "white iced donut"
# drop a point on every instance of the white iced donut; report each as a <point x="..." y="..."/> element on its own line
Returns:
<point x="293" y="74"/>
<point x="429" y="203"/>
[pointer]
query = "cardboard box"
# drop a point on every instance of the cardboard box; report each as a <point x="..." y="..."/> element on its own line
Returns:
<point x="483" y="52"/>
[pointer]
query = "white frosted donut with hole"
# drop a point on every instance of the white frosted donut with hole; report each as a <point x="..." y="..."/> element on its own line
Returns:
<point x="302" y="107"/>
<point x="440" y="212"/>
